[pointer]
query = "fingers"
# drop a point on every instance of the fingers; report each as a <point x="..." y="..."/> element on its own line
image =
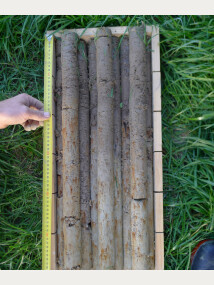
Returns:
<point x="27" y="126"/>
<point x="35" y="103"/>
<point x="37" y="115"/>
<point x="29" y="101"/>
<point x="34" y="125"/>
<point x="31" y="125"/>
<point x="33" y="112"/>
<point x="41" y="124"/>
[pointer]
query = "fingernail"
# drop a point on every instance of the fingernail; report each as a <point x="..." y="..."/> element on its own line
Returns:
<point x="47" y="114"/>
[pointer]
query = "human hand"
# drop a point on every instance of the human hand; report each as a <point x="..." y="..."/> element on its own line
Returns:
<point x="24" y="110"/>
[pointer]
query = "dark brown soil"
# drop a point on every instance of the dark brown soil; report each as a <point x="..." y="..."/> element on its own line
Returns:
<point x="117" y="157"/>
<point x="150" y="158"/>
<point x="125" y="90"/>
<point x="58" y="96"/>
<point x="92" y="64"/>
<point x="85" y="194"/>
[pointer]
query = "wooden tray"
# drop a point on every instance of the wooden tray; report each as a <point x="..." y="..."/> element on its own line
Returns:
<point x="153" y="32"/>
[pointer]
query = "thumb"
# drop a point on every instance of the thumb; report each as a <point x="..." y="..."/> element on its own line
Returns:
<point x="37" y="115"/>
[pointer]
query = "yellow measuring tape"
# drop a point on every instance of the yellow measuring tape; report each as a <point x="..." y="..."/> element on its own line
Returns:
<point x="47" y="156"/>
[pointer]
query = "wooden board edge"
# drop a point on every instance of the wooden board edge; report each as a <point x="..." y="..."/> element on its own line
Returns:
<point x="159" y="251"/>
<point x="158" y="172"/>
<point x="158" y="207"/>
<point x="155" y="42"/>
<point x="156" y="90"/>
<point x="157" y="131"/>
<point x="157" y="163"/>
<point x="88" y="33"/>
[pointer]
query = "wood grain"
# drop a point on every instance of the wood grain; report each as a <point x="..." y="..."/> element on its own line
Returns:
<point x="155" y="49"/>
<point x="158" y="203"/>
<point x="159" y="251"/>
<point x="158" y="172"/>
<point x="156" y="90"/>
<point x="157" y="131"/>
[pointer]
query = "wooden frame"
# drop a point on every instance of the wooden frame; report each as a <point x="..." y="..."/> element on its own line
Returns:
<point x="153" y="32"/>
<point x="87" y="34"/>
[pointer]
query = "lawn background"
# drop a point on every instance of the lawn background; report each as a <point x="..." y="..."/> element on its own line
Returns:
<point x="187" y="66"/>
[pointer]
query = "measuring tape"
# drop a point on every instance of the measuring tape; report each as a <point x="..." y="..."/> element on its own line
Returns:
<point x="47" y="156"/>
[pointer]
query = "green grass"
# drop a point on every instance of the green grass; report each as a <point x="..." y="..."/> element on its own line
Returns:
<point x="187" y="65"/>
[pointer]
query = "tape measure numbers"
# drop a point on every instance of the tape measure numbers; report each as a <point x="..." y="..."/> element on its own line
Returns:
<point x="47" y="156"/>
